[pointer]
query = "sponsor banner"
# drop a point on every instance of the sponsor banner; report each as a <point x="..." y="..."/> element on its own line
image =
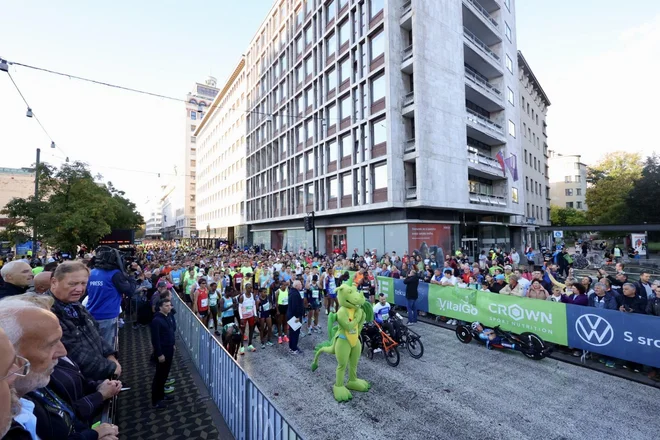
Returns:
<point x="386" y="286"/>
<point x="638" y="243"/>
<point x="628" y="336"/>
<point x="544" y="318"/>
<point x="430" y="240"/>
<point x="400" y="295"/>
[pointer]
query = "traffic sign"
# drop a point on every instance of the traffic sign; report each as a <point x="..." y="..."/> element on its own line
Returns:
<point x="558" y="234"/>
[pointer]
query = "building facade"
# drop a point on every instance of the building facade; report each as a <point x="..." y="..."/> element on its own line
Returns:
<point x="568" y="181"/>
<point x="220" y="140"/>
<point x="14" y="183"/>
<point x="154" y="220"/>
<point x="171" y="201"/>
<point x="535" y="196"/>
<point x="396" y="122"/>
<point x="197" y="102"/>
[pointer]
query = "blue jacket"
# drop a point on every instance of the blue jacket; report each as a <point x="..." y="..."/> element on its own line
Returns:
<point x="104" y="289"/>
<point x="610" y="301"/>
<point x="296" y="305"/>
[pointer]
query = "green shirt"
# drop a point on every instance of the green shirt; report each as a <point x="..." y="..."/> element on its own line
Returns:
<point x="37" y="270"/>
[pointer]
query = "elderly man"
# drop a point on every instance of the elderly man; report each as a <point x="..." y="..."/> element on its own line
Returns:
<point x="17" y="276"/>
<point x="295" y="309"/>
<point x="95" y="357"/>
<point x="631" y="301"/>
<point x="513" y="287"/>
<point x="42" y="282"/>
<point x="11" y="367"/>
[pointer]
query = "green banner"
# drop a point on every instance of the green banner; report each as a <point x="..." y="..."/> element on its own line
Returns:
<point x="545" y="318"/>
<point x="386" y="286"/>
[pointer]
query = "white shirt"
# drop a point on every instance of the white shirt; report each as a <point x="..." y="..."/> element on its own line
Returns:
<point x="524" y="285"/>
<point x="452" y="280"/>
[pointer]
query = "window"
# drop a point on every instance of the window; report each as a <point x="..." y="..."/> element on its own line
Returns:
<point x="512" y="129"/>
<point x="380" y="176"/>
<point x="511" y="95"/>
<point x="309" y="160"/>
<point x="299" y="17"/>
<point x="569" y="204"/>
<point x="343" y="33"/>
<point x="309" y="128"/>
<point x="345" y="146"/>
<point x="577" y="178"/>
<point x="377" y="45"/>
<point x="332" y="115"/>
<point x="526" y="183"/>
<point x="309" y="66"/>
<point x="309" y="35"/>
<point x="578" y="205"/>
<point x="345" y="107"/>
<point x="377" y="88"/>
<point x="379" y="132"/>
<point x="509" y="63"/>
<point x="332" y="188"/>
<point x="514" y="195"/>
<point x="507" y="31"/>
<point x="507" y="3"/>
<point x="568" y="191"/>
<point x="331" y="45"/>
<point x="299" y="104"/>
<point x="299" y="45"/>
<point x="347" y="184"/>
<point x="310" y="6"/>
<point x="568" y="179"/>
<point x="332" y="80"/>
<point x="578" y="192"/>
<point x="330" y="11"/>
<point x="332" y="151"/>
<point x="577" y="165"/>
<point x="375" y="6"/>
<point x="193" y="127"/>
<point x="525" y="157"/>
<point x="193" y="115"/>
<point x="299" y="74"/>
<point x="345" y="70"/>
<point x="342" y="3"/>
<point x="310" y="193"/>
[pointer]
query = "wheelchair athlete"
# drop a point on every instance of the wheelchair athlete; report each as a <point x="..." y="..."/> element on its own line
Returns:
<point x="489" y="336"/>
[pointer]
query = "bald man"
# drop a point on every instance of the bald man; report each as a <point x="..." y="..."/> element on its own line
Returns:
<point x="9" y="366"/>
<point x="42" y="282"/>
<point x="17" y="276"/>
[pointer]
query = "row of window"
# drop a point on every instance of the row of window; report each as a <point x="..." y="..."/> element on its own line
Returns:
<point x="530" y="159"/>
<point x="233" y="209"/>
<point x="570" y="179"/>
<point x="569" y="191"/>
<point x="537" y="188"/>
<point x="535" y="211"/>
<point x="576" y="205"/>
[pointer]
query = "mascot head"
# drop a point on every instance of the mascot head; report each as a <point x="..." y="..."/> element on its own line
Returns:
<point x="349" y="297"/>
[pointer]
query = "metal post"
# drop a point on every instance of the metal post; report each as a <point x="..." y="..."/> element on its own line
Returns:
<point x="36" y="198"/>
<point x="313" y="234"/>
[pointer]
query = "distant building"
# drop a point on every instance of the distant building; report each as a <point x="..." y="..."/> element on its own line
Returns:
<point x="220" y="140"/>
<point x="154" y="220"/>
<point x="172" y="201"/>
<point x="14" y="183"/>
<point x="568" y="181"/>
<point x="197" y="102"/>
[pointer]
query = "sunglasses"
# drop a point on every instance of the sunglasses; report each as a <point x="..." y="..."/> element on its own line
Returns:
<point x="22" y="367"/>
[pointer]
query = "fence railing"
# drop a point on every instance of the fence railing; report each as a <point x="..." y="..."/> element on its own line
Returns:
<point x="109" y="410"/>
<point x="249" y="414"/>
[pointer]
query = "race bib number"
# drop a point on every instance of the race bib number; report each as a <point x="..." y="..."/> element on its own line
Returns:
<point x="204" y="302"/>
<point x="315" y="294"/>
<point x="386" y="316"/>
<point x="302" y="294"/>
<point x="285" y="301"/>
<point x="247" y="312"/>
<point x="266" y="307"/>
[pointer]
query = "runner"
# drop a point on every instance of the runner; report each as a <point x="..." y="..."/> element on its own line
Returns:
<point x="331" y="303"/>
<point x="312" y="299"/>
<point x="213" y="308"/>
<point x="228" y="308"/>
<point x="201" y="300"/>
<point x="189" y="280"/>
<point x="246" y="311"/>
<point x="265" y="312"/>
<point x="282" y="306"/>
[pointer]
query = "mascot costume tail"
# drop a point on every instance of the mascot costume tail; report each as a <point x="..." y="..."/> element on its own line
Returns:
<point x="343" y="340"/>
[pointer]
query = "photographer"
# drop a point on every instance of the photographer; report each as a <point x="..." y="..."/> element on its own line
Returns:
<point x="105" y="287"/>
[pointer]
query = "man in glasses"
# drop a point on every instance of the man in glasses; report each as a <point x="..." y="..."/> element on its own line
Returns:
<point x="10" y="369"/>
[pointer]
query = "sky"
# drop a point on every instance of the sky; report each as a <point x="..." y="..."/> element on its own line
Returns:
<point x="596" y="60"/>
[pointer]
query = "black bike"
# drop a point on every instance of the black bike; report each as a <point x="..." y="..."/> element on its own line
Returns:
<point x="375" y="340"/>
<point x="527" y="343"/>
<point x="406" y="338"/>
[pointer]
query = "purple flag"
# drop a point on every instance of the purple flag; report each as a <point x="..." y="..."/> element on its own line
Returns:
<point x="512" y="165"/>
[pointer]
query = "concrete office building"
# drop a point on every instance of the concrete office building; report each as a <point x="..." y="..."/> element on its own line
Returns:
<point x="197" y="102"/>
<point x="171" y="202"/>
<point x="15" y="183"/>
<point x="221" y="164"/>
<point x="568" y="181"/>
<point x="385" y="119"/>
<point x="154" y="220"/>
<point x="535" y="196"/>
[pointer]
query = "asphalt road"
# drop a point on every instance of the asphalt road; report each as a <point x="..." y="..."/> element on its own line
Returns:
<point x="454" y="391"/>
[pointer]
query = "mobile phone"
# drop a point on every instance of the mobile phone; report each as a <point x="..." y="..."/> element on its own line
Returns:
<point x="125" y="389"/>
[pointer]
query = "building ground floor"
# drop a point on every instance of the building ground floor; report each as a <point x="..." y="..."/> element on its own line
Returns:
<point x="214" y="237"/>
<point x="427" y="232"/>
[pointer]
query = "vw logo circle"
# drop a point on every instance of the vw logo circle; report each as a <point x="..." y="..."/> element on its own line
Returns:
<point x="594" y="330"/>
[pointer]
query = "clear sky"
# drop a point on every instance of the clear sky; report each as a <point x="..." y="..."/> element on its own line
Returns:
<point x="596" y="60"/>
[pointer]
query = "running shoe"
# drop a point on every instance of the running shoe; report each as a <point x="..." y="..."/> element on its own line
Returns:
<point x="170" y="382"/>
<point x="285" y="339"/>
<point x="279" y="340"/>
<point x="242" y="350"/>
<point x="263" y="346"/>
<point x="295" y="352"/>
<point x="309" y="332"/>
<point x="610" y="364"/>
<point x="168" y="390"/>
<point x="378" y="350"/>
<point x="269" y="344"/>
<point x="326" y="311"/>
<point x="245" y="337"/>
<point x="318" y="328"/>
<point x="251" y="348"/>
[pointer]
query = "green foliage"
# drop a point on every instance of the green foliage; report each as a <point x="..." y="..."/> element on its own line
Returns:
<point x="567" y="216"/>
<point x="642" y="201"/>
<point x="72" y="208"/>
<point x="611" y="180"/>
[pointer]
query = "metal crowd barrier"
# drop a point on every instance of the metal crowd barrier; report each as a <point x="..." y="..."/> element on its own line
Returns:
<point x="109" y="411"/>
<point x="249" y="414"/>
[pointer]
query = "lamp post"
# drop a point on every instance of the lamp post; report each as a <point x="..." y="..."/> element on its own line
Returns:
<point x="36" y="199"/>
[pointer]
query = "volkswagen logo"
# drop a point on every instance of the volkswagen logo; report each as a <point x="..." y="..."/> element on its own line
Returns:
<point x="594" y="330"/>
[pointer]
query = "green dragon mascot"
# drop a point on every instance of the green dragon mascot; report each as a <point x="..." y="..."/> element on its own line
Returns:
<point x="343" y="340"/>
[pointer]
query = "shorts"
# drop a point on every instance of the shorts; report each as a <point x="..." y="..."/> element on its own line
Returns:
<point x="252" y="321"/>
<point x="332" y="295"/>
<point x="214" y="310"/>
<point x="282" y="309"/>
<point x="227" y="320"/>
<point x="203" y="314"/>
<point x="267" y="314"/>
<point x="314" y="305"/>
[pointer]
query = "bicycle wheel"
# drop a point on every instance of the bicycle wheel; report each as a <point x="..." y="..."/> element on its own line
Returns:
<point x="366" y="347"/>
<point x="392" y="356"/>
<point x="415" y="347"/>
<point x="535" y="346"/>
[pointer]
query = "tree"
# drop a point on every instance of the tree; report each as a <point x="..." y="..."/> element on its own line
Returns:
<point x="72" y="208"/>
<point x="642" y="201"/>
<point x="611" y="180"/>
<point x="567" y="216"/>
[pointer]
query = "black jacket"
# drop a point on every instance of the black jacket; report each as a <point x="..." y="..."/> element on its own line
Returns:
<point x="76" y="390"/>
<point x="411" y="282"/>
<point x="162" y="334"/>
<point x="653" y="307"/>
<point x="53" y="423"/>
<point x="8" y="289"/>
<point x="296" y="305"/>
<point x="17" y="432"/>
<point x="636" y="303"/>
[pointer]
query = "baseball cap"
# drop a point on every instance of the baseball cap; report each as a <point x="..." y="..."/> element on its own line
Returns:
<point x="499" y="277"/>
<point x="161" y="284"/>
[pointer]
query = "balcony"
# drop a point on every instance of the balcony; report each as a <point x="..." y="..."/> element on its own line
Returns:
<point x="408" y="106"/>
<point x="411" y="193"/>
<point x="483" y="166"/>
<point x="481" y="22"/>
<point x="406" y="15"/>
<point x="487" y="199"/>
<point x="480" y="56"/>
<point x="484" y="129"/>
<point x="482" y="92"/>
<point x="407" y="62"/>
<point x="409" y="146"/>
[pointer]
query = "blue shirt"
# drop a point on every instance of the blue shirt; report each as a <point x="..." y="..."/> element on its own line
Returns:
<point x="381" y="312"/>
<point x="104" y="298"/>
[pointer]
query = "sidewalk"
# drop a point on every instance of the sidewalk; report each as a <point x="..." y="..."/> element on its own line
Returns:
<point x="189" y="416"/>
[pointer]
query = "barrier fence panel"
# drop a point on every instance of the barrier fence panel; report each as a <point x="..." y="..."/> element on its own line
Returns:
<point x="246" y="410"/>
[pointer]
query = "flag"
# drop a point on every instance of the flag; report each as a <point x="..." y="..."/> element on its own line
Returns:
<point x="500" y="160"/>
<point x="512" y="165"/>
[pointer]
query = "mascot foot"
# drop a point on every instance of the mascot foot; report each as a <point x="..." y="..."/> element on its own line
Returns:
<point x="314" y="366"/>
<point x="341" y="394"/>
<point x="358" y="385"/>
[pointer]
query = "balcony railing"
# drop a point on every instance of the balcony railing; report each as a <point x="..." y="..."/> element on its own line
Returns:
<point x="409" y="146"/>
<point x="411" y="193"/>
<point x="483" y="121"/>
<point x="480" y="44"/>
<point x="483" y="12"/>
<point x="481" y="159"/>
<point x="409" y="99"/>
<point x="407" y="7"/>
<point x="487" y="199"/>
<point x="407" y="53"/>
<point x="481" y="83"/>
